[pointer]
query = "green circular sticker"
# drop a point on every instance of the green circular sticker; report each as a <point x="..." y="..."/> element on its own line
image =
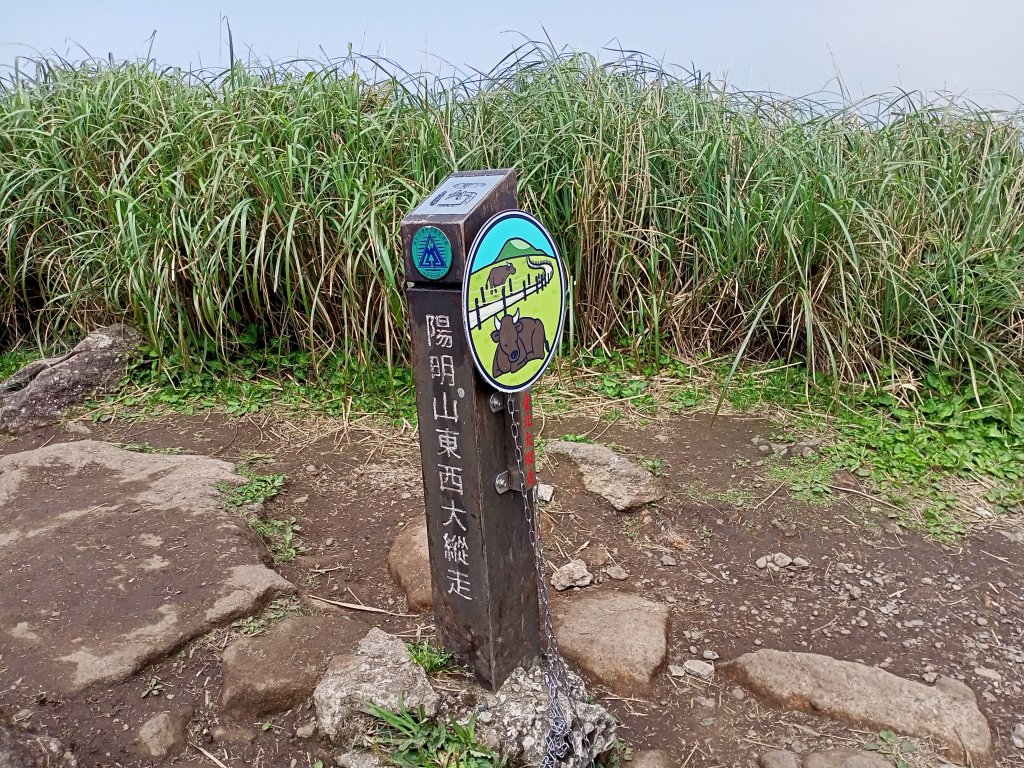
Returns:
<point x="513" y="300"/>
<point x="431" y="253"/>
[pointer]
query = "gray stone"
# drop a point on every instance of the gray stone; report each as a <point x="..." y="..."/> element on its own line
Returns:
<point x="988" y="674"/>
<point x="801" y="562"/>
<point x="779" y="758"/>
<point x="845" y="758"/>
<point x="24" y="749"/>
<point x="651" y="758"/>
<point x="869" y="697"/>
<point x="572" y="574"/>
<point x="277" y="671"/>
<point x="380" y="672"/>
<point x="617" y="573"/>
<point x="233" y="735"/>
<point x="517" y="720"/>
<point x="668" y="560"/>
<point x="621" y="482"/>
<point x="782" y="560"/>
<point x="409" y="565"/>
<point x="698" y="668"/>
<point x="545" y="492"/>
<point x="762" y="562"/>
<point x="110" y="559"/>
<point x="42" y="391"/>
<point x="710" y="656"/>
<point x="620" y="639"/>
<point x="1016" y="535"/>
<point x="1017" y="736"/>
<point x="306" y="731"/>
<point x="359" y="759"/>
<point x="164" y="734"/>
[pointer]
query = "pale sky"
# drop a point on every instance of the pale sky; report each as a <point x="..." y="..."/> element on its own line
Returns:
<point x="967" y="47"/>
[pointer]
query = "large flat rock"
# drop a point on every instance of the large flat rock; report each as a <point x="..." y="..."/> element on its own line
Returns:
<point x="622" y="483"/>
<point x="620" y="639"/>
<point x="111" y="559"/>
<point x="868" y="697"/>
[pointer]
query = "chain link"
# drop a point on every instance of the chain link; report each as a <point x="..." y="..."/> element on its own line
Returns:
<point x="558" y="743"/>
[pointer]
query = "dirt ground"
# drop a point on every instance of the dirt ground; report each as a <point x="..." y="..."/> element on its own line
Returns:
<point x="872" y="593"/>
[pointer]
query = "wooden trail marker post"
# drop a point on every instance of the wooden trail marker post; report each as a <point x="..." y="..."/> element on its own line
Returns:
<point x="482" y="562"/>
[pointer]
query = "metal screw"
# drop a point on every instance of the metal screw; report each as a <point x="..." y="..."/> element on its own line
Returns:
<point x="496" y="403"/>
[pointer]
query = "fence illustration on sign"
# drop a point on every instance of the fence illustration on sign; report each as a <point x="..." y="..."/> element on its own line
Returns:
<point x="486" y="306"/>
<point x="514" y="300"/>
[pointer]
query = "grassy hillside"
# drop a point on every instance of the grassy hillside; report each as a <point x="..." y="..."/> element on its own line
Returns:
<point x="260" y="208"/>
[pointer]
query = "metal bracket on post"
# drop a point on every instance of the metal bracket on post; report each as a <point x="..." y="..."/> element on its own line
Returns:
<point x="509" y="480"/>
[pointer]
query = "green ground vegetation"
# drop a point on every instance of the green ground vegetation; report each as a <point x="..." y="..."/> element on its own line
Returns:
<point x="410" y="739"/>
<point x="258" y="208"/>
<point x="429" y="656"/>
<point x="855" y="265"/>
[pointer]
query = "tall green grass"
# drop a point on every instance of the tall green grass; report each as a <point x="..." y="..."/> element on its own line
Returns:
<point x="260" y="206"/>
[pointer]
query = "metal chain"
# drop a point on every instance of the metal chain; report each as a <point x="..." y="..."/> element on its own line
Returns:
<point x="558" y="743"/>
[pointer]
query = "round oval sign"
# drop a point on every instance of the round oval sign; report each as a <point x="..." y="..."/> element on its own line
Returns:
<point x="513" y="300"/>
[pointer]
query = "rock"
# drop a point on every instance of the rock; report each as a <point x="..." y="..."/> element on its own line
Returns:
<point x="306" y="731"/>
<point x="651" y="758"/>
<point x="138" y="556"/>
<point x="988" y="674"/>
<point x="572" y="574"/>
<point x="700" y="669"/>
<point x="845" y="758"/>
<point x="1016" y="535"/>
<point x="1017" y="736"/>
<point x="545" y="492"/>
<point x="232" y="735"/>
<point x="779" y="758"/>
<point x="24" y="749"/>
<point x="40" y="393"/>
<point x="359" y="759"/>
<point x="618" y="480"/>
<point x="620" y="639"/>
<point x="930" y="677"/>
<point x="782" y="560"/>
<point x="277" y="671"/>
<point x="409" y="565"/>
<point x="801" y="562"/>
<point x="164" y="734"/>
<point x="617" y="573"/>
<point x="762" y="562"/>
<point x="518" y="720"/>
<point x="668" y="560"/>
<point x="595" y="557"/>
<point x="868" y="697"/>
<point x="676" y="671"/>
<point x="380" y="672"/>
<point x="710" y="656"/>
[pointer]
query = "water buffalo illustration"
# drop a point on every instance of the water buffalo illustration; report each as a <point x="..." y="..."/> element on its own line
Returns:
<point x="500" y="274"/>
<point x="520" y="340"/>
